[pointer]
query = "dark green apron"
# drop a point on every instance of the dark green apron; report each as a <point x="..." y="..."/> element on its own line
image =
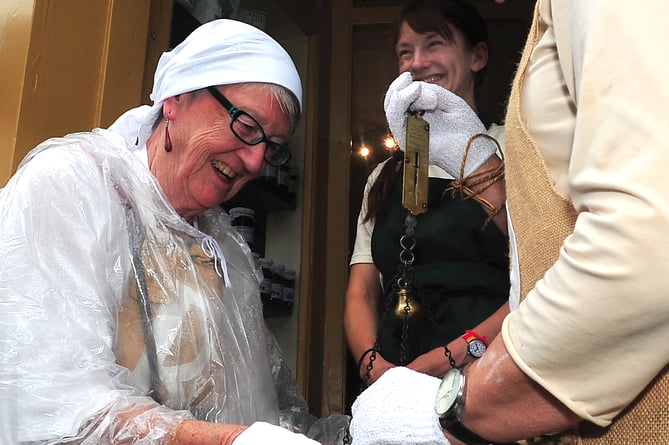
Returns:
<point x="461" y="269"/>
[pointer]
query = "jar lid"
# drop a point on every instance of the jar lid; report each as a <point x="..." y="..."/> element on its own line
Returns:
<point x="265" y="262"/>
<point x="242" y="211"/>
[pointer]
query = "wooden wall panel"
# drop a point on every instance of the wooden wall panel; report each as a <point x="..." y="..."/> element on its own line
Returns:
<point x="67" y="65"/>
<point x="15" y="26"/>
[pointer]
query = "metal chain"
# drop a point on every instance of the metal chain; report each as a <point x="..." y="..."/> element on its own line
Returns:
<point x="449" y="356"/>
<point x="406" y="282"/>
<point x="368" y="368"/>
<point x="375" y="348"/>
<point x="403" y="287"/>
<point x="408" y="242"/>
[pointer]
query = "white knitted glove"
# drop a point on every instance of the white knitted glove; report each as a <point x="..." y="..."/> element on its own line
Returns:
<point x="398" y="409"/>
<point x="261" y="433"/>
<point x="452" y="123"/>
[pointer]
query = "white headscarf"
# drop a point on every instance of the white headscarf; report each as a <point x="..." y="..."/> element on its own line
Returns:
<point x="220" y="52"/>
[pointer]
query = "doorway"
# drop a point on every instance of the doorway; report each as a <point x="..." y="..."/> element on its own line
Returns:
<point x="373" y="68"/>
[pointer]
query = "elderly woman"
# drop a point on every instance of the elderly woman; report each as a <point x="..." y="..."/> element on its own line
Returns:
<point x="130" y="309"/>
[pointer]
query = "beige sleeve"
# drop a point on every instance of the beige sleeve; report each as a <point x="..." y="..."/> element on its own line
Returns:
<point x="592" y="330"/>
<point x="362" y="249"/>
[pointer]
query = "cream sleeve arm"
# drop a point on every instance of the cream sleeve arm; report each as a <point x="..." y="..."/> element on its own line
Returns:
<point x="591" y="332"/>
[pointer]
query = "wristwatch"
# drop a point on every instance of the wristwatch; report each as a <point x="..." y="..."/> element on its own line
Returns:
<point x="476" y="344"/>
<point x="450" y="404"/>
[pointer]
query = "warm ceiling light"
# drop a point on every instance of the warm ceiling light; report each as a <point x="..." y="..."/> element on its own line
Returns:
<point x="389" y="142"/>
<point x="364" y="151"/>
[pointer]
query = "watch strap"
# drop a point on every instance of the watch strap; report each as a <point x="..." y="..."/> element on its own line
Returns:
<point x="451" y="419"/>
<point x="461" y="432"/>
<point x="472" y="335"/>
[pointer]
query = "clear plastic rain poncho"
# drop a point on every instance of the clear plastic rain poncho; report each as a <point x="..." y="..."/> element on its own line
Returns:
<point x="108" y="297"/>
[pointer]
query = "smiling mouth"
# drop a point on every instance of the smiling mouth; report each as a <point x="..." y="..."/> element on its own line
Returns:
<point x="433" y="79"/>
<point x="224" y="170"/>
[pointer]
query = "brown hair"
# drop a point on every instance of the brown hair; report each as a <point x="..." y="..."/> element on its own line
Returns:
<point x="380" y="190"/>
<point x="425" y="16"/>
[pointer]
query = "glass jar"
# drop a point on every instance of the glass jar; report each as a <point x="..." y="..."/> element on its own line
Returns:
<point x="266" y="267"/>
<point x="269" y="175"/>
<point x="292" y="182"/>
<point x="243" y="220"/>
<point x="276" y="296"/>
<point x="282" y="180"/>
<point x="288" y="288"/>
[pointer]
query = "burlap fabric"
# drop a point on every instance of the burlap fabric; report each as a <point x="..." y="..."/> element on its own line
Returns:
<point x="542" y="219"/>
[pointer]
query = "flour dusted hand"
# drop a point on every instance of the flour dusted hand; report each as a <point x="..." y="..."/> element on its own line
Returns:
<point x="452" y="124"/>
<point x="266" y="433"/>
<point x="398" y="409"/>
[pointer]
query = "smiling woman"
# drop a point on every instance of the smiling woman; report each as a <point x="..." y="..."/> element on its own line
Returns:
<point x="451" y="261"/>
<point x="452" y="53"/>
<point x="209" y="163"/>
<point x="150" y="329"/>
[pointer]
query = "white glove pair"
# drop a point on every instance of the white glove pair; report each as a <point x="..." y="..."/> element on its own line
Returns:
<point x="452" y="124"/>
<point x="266" y="433"/>
<point x="397" y="409"/>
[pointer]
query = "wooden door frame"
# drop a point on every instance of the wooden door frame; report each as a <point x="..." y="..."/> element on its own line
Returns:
<point x="344" y="18"/>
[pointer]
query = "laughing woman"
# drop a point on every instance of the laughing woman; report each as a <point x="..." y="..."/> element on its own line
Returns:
<point x="130" y="308"/>
<point x="458" y="279"/>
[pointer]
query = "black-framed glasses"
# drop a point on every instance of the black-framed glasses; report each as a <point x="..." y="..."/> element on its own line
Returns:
<point x="249" y="131"/>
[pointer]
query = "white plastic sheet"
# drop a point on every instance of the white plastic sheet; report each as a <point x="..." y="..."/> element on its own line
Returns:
<point x="73" y="357"/>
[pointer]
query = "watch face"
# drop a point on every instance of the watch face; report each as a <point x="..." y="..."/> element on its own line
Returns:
<point x="448" y="391"/>
<point x="476" y="348"/>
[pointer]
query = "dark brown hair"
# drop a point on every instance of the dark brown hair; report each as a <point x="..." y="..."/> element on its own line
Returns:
<point x="425" y="16"/>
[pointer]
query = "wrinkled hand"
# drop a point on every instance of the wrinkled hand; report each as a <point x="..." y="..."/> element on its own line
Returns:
<point x="452" y="124"/>
<point x="398" y="409"/>
<point x="265" y="433"/>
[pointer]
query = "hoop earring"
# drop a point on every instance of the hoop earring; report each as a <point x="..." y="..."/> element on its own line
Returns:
<point x="168" y="141"/>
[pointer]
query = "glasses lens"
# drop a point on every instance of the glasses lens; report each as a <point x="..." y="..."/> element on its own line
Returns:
<point x="247" y="128"/>
<point x="249" y="131"/>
